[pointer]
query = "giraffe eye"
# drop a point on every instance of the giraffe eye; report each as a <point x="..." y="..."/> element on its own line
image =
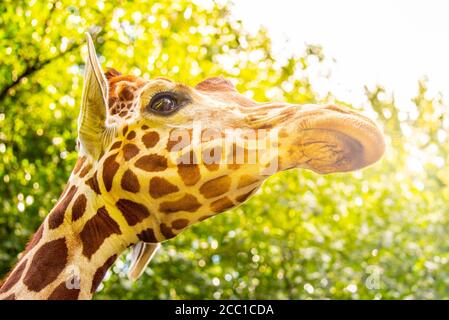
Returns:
<point x="163" y="103"/>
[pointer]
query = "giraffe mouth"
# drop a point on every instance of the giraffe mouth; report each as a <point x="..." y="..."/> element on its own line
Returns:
<point x="331" y="139"/>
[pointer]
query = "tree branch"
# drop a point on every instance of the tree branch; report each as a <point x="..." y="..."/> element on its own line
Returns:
<point x="31" y="69"/>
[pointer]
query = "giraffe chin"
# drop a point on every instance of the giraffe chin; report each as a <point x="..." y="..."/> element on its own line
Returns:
<point x="332" y="139"/>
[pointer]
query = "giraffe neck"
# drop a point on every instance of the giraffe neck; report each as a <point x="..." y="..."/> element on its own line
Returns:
<point x="73" y="248"/>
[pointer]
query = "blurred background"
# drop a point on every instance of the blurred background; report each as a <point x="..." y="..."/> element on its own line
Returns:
<point x="379" y="233"/>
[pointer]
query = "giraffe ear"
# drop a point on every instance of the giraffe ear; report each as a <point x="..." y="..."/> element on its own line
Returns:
<point x="92" y="118"/>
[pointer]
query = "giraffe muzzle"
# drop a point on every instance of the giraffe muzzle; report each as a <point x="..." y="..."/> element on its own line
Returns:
<point x="328" y="139"/>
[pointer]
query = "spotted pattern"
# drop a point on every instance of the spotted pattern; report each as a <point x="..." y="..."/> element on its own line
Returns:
<point x="85" y="170"/>
<point x="56" y="217"/>
<point x="14" y="277"/>
<point x="243" y="197"/>
<point x="125" y="129"/>
<point x="53" y="255"/>
<point x="202" y="218"/>
<point x="179" y="139"/>
<point x="79" y="164"/>
<point x="97" y="230"/>
<point x="116" y="145"/>
<point x="147" y="235"/>
<point x="133" y="212"/>
<point x="216" y="187"/>
<point x="110" y="168"/>
<point x="130" y="182"/>
<point x="160" y="187"/>
<point x="187" y="203"/>
<point x="130" y="151"/>
<point x="246" y="180"/>
<point x="93" y="183"/>
<point x="189" y="172"/>
<point x="150" y="139"/>
<point x="179" y="224"/>
<point x="79" y="207"/>
<point x="152" y="163"/>
<point x="125" y="93"/>
<point x="166" y="231"/>
<point x="61" y="292"/>
<point x="221" y="205"/>
<point x="47" y="263"/>
<point x="99" y="274"/>
<point x="131" y="135"/>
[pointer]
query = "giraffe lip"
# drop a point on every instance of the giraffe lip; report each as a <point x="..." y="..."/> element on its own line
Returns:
<point x="335" y="139"/>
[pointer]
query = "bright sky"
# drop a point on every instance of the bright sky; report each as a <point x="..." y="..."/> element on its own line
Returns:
<point x="391" y="42"/>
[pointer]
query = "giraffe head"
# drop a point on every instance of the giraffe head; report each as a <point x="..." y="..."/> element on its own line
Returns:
<point x="166" y="155"/>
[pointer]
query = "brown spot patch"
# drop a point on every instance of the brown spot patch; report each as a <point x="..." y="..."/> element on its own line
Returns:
<point x="150" y="139"/>
<point x="243" y="197"/>
<point x="79" y="207"/>
<point x="10" y="297"/>
<point x="125" y="129"/>
<point x="48" y="262"/>
<point x="202" y="218"/>
<point x="221" y="205"/>
<point x="93" y="183"/>
<point x="61" y="292"/>
<point x="116" y="145"/>
<point x="186" y="203"/>
<point x="13" y="278"/>
<point x="99" y="274"/>
<point x="130" y="182"/>
<point x="85" y="170"/>
<point x="56" y="217"/>
<point x="79" y="164"/>
<point x="147" y="235"/>
<point x="132" y="211"/>
<point x="129" y="151"/>
<point x="160" y="187"/>
<point x="179" y="139"/>
<point x="125" y="94"/>
<point x="152" y="162"/>
<point x="131" y="135"/>
<point x="145" y="127"/>
<point x="216" y="187"/>
<point x="180" y="224"/>
<point x="110" y="167"/>
<point x="166" y="231"/>
<point x="190" y="171"/>
<point x="97" y="230"/>
<point x="246" y="180"/>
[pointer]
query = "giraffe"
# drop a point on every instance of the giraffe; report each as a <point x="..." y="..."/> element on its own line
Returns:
<point x="157" y="156"/>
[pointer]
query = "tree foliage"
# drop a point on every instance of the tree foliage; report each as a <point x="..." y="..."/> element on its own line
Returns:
<point x="377" y="233"/>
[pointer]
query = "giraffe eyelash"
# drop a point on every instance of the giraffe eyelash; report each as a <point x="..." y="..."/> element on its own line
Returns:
<point x="161" y="91"/>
